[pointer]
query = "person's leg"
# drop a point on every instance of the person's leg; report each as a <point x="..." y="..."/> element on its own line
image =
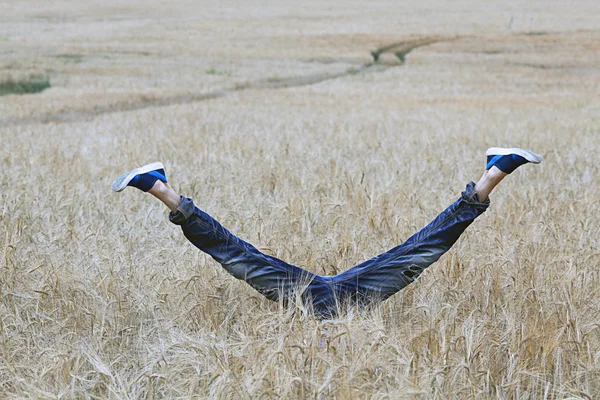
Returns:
<point x="270" y="276"/>
<point x="382" y="276"/>
<point x="165" y="193"/>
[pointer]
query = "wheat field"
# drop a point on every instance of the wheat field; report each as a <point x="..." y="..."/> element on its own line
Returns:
<point x="274" y="119"/>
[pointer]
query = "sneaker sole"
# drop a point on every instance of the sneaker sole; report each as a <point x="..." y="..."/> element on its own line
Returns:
<point x="121" y="182"/>
<point x="530" y="156"/>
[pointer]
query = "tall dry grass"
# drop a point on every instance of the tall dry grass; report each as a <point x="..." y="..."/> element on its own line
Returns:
<point x="101" y="297"/>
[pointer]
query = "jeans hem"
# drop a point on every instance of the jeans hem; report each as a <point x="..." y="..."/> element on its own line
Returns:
<point x="184" y="211"/>
<point x="469" y="195"/>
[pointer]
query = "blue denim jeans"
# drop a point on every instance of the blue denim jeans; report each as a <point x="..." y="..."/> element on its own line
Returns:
<point x="367" y="283"/>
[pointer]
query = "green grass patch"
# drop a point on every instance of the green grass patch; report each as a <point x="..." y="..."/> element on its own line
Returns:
<point x="33" y="84"/>
<point x="213" y="71"/>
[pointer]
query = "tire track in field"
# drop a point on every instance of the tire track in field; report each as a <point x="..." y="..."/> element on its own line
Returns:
<point x="86" y="114"/>
<point x="399" y="49"/>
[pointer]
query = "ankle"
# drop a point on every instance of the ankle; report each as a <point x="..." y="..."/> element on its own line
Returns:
<point x="494" y="174"/>
<point x="159" y="188"/>
<point x="489" y="180"/>
<point x="166" y="194"/>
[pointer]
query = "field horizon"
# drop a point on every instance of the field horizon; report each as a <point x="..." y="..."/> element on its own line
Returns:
<point x="324" y="134"/>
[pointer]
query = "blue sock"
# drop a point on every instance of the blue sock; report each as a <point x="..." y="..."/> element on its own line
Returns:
<point x="505" y="163"/>
<point x="144" y="182"/>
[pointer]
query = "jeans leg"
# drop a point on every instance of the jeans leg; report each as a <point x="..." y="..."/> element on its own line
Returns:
<point x="270" y="276"/>
<point x="388" y="273"/>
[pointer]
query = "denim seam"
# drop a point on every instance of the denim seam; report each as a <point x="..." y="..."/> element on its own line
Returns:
<point x="245" y="250"/>
<point x="369" y="269"/>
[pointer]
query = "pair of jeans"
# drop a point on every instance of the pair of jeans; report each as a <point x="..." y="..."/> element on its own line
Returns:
<point x="367" y="283"/>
